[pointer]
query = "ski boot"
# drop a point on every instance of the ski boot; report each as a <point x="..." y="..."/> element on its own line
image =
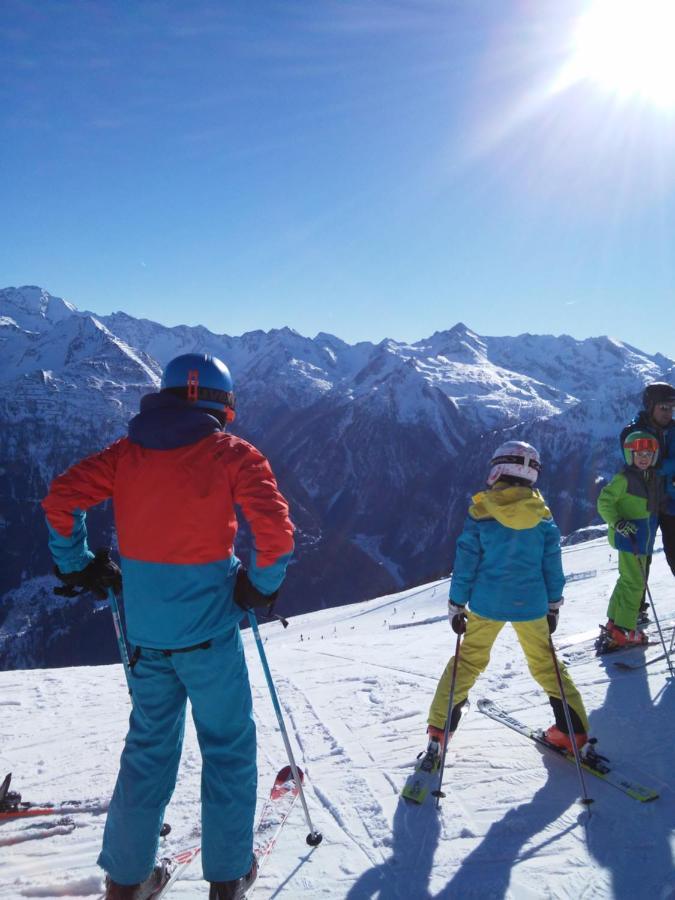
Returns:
<point x="436" y="743"/>
<point x="236" y="889"/>
<point x="643" y="614"/>
<point x="557" y="738"/>
<point x="431" y="757"/>
<point x="9" y="800"/>
<point x="622" y="637"/>
<point x="143" y="890"/>
<point x="612" y="637"/>
<point x="436" y="737"/>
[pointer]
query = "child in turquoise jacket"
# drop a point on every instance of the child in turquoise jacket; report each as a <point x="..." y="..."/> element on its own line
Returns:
<point x="508" y="568"/>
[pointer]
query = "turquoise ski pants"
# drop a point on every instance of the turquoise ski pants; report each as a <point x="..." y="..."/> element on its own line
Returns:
<point x="216" y="682"/>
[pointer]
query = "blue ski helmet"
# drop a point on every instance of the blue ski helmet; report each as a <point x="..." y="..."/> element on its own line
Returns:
<point x="203" y="380"/>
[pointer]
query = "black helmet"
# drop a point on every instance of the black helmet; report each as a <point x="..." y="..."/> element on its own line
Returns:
<point x="658" y="392"/>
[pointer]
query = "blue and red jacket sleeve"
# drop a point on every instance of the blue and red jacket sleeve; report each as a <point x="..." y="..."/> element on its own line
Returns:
<point x="72" y="493"/>
<point x="266" y="511"/>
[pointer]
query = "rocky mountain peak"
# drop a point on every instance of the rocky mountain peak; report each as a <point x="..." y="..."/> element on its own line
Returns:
<point x="34" y="308"/>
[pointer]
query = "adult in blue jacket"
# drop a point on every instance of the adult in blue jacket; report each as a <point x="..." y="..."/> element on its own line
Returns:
<point x="508" y="568"/>
<point x="176" y="482"/>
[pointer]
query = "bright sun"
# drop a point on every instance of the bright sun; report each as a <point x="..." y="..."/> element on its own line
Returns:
<point x="628" y="47"/>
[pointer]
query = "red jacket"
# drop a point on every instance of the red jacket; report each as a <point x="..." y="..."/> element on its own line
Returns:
<point x="176" y="524"/>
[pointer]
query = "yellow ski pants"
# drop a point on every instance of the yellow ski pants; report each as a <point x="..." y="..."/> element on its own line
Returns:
<point x="475" y="655"/>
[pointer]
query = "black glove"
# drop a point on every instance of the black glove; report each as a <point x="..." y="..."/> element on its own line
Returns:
<point x="98" y="577"/>
<point x="246" y="595"/>
<point x="553" y="614"/>
<point x="457" y="617"/>
<point x="626" y="528"/>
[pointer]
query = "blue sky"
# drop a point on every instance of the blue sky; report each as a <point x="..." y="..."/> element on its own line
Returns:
<point x="367" y="168"/>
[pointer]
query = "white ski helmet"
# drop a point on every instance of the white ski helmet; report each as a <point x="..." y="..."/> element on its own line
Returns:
<point x="515" y="459"/>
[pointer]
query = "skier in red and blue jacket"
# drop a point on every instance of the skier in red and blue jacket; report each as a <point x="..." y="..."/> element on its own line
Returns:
<point x="175" y="482"/>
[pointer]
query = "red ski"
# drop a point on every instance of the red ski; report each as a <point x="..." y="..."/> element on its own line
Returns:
<point x="12" y="807"/>
<point x="275" y="812"/>
<point x="273" y="816"/>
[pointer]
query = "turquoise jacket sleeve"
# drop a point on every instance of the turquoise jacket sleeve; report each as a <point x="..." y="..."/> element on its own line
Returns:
<point x="71" y="552"/>
<point x="467" y="560"/>
<point x="552" y="562"/>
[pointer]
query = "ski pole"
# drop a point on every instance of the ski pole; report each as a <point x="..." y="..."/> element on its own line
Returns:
<point x="438" y="793"/>
<point x="119" y="633"/>
<point x="651" y="600"/>
<point x="658" y="626"/>
<point x="314" y="837"/>
<point x="570" y="730"/>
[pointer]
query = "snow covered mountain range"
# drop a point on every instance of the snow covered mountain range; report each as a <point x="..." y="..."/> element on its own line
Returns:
<point x="377" y="446"/>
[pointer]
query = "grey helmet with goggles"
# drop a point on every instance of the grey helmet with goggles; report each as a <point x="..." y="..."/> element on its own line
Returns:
<point x="514" y="462"/>
<point x="202" y="380"/>
<point x="637" y="442"/>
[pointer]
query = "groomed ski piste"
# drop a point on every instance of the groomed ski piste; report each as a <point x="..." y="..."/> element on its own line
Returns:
<point x="355" y="692"/>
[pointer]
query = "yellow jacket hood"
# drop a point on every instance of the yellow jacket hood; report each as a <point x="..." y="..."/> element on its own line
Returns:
<point x="512" y="506"/>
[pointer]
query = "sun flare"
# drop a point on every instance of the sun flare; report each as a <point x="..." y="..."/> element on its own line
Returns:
<point x="628" y="48"/>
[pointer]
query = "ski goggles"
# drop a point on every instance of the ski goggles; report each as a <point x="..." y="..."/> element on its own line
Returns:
<point x="643" y="445"/>
<point x="518" y="460"/>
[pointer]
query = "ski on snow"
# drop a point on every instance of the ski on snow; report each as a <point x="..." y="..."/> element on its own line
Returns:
<point x="424" y="779"/>
<point x="573" y="653"/>
<point x="12" y="807"/>
<point x="174" y="867"/>
<point x="592" y="762"/>
<point x="273" y="816"/>
<point x="274" y="813"/>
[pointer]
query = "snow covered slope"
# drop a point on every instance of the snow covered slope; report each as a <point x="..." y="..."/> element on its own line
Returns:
<point x="355" y="691"/>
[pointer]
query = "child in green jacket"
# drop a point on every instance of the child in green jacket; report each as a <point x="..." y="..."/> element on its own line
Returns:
<point x="630" y="504"/>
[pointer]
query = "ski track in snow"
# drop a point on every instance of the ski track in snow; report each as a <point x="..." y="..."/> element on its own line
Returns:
<point x="355" y="691"/>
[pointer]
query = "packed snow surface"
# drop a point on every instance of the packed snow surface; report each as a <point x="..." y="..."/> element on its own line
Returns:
<point x="355" y="692"/>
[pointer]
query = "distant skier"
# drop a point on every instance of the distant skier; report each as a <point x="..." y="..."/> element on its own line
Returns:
<point x="631" y="504"/>
<point x="508" y="568"/>
<point x="174" y="482"/>
<point x="656" y="417"/>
